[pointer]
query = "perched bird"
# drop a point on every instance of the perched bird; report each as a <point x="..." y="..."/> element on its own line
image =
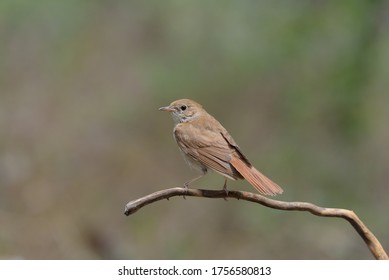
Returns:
<point x="206" y="144"/>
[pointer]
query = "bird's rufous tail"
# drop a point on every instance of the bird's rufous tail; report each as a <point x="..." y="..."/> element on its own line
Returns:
<point x="259" y="181"/>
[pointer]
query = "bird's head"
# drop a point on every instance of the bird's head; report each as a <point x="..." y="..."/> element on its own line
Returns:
<point x="183" y="110"/>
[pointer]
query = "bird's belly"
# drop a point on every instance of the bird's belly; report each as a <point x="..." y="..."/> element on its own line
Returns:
<point x="193" y="163"/>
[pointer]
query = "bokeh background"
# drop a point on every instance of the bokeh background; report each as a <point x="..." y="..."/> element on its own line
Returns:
<point x="302" y="86"/>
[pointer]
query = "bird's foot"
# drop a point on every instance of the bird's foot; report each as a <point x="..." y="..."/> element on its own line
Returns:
<point x="186" y="187"/>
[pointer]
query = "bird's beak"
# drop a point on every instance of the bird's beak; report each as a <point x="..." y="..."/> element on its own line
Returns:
<point x="167" y="109"/>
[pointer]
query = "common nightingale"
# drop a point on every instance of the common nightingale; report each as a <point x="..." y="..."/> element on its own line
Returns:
<point x="206" y="144"/>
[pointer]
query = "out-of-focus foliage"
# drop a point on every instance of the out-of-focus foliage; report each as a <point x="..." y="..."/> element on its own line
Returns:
<point x="301" y="85"/>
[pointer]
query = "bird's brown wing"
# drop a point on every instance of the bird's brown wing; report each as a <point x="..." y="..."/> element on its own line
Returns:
<point x="259" y="181"/>
<point x="207" y="147"/>
<point x="233" y="145"/>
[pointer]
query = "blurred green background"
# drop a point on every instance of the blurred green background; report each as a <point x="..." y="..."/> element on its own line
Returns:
<point x="302" y="86"/>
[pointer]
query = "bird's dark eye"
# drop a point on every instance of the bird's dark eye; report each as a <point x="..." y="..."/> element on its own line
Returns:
<point x="183" y="107"/>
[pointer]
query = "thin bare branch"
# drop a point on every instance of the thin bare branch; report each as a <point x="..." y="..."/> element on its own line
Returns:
<point x="368" y="237"/>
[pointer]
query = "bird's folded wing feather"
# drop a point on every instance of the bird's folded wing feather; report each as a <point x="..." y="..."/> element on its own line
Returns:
<point x="208" y="147"/>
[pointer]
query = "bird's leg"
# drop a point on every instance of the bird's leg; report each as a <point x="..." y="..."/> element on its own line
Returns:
<point x="225" y="187"/>
<point x="186" y="184"/>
